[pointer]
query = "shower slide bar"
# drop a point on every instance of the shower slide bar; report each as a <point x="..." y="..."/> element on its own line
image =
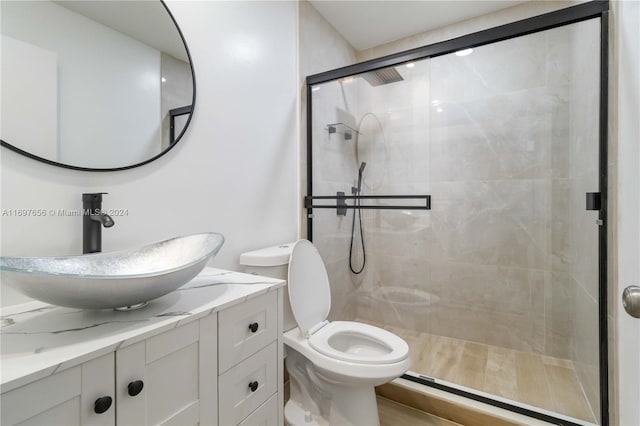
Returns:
<point x="341" y="205"/>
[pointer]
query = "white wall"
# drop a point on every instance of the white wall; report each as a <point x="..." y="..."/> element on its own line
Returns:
<point x="233" y="172"/>
<point x="109" y="85"/>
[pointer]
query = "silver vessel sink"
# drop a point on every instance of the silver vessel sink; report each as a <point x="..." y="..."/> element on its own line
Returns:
<point x="119" y="279"/>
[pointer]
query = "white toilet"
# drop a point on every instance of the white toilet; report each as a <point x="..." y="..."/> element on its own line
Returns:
<point x="333" y="366"/>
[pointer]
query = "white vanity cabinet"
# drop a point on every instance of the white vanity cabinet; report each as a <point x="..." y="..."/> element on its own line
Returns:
<point x="223" y="367"/>
<point x="167" y="379"/>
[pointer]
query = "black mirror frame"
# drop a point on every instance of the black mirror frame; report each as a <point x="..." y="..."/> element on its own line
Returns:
<point x="114" y="169"/>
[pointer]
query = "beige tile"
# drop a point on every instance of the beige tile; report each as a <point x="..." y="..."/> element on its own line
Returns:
<point x="501" y="372"/>
<point x="419" y="351"/>
<point x="521" y="331"/>
<point x="558" y="362"/>
<point x="394" y="414"/>
<point x="424" y="361"/>
<point x="531" y="382"/>
<point x="472" y="366"/>
<point x="542" y="381"/>
<point x="403" y="332"/>
<point x="445" y="357"/>
<point x="566" y="393"/>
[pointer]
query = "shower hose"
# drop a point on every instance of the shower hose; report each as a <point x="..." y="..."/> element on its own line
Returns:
<point x="357" y="211"/>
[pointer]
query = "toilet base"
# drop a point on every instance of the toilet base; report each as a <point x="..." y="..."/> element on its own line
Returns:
<point x="349" y="414"/>
<point x="316" y="401"/>
<point x="295" y="415"/>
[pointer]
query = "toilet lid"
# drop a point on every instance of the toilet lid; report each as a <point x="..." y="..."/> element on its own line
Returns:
<point x="309" y="292"/>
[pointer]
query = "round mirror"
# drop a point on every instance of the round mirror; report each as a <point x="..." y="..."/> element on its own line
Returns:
<point x="93" y="85"/>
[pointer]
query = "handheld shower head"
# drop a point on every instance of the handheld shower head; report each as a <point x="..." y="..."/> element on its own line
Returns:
<point x="362" y="166"/>
<point x="360" y="171"/>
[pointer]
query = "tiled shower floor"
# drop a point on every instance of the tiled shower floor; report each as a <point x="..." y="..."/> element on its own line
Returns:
<point x="538" y="380"/>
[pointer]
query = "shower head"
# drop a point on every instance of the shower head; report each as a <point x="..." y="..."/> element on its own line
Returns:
<point x="382" y="76"/>
<point x="362" y="166"/>
<point x="360" y="171"/>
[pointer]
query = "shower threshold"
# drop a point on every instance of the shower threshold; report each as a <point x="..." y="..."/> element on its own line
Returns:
<point x="536" y="382"/>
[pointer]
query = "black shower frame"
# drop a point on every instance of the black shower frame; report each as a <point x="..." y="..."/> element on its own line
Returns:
<point x="547" y="21"/>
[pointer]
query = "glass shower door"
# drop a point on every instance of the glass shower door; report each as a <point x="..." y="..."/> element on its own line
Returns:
<point x="514" y="149"/>
<point x="496" y="287"/>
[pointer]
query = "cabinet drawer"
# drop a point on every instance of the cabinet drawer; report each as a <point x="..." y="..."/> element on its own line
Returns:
<point x="265" y="415"/>
<point x="246" y="328"/>
<point x="247" y="385"/>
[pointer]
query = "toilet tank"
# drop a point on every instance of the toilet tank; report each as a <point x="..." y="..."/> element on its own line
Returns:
<point x="272" y="262"/>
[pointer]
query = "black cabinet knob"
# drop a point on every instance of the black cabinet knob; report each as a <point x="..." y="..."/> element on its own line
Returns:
<point x="253" y="327"/>
<point x="102" y="404"/>
<point x="253" y="386"/>
<point x="135" y="387"/>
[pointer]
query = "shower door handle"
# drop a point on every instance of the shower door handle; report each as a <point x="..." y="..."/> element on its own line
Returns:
<point x="631" y="300"/>
<point x="594" y="201"/>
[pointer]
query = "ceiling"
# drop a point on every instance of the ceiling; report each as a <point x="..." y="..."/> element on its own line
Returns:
<point x="363" y="23"/>
<point x="366" y="24"/>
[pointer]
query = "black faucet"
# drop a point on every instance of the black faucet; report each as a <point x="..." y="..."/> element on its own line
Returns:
<point x="93" y="219"/>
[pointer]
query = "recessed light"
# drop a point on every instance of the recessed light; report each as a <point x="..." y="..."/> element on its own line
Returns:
<point x="439" y="110"/>
<point x="164" y="80"/>
<point x="464" y="52"/>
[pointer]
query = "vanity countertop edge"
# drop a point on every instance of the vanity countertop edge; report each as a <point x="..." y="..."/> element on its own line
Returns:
<point x="39" y="339"/>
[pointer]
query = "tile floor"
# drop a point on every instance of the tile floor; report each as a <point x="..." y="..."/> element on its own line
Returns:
<point x="538" y="380"/>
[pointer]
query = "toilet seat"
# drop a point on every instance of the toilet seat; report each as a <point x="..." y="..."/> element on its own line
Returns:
<point x="310" y="298"/>
<point x="359" y="343"/>
<point x="349" y="373"/>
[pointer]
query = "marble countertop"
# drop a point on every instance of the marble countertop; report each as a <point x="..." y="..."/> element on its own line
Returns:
<point x="38" y="339"/>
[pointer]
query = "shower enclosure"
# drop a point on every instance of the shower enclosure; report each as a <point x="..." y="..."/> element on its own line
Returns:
<point x="477" y="229"/>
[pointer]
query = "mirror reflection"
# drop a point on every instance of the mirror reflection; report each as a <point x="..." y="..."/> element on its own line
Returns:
<point x="93" y="84"/>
